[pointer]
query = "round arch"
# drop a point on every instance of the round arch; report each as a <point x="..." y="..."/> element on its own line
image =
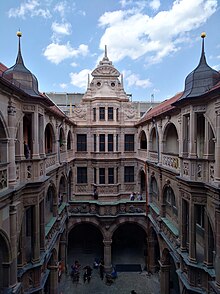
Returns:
<point x="49" y="138"/>
<point x="5" y="258"/>
<point x="170" y="139"/>
<point x="143" y="140"/>
<point x="129" y="245"/>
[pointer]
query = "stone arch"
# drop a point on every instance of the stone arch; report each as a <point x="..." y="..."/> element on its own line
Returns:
<point x="91" y="221"/>
<point x="170" y="139"/>
<point x="70" y="184"/>
<point x="3" y="142"/>
<point x="50" y="138"/>
<point x="143" y="140"/>
<point x="142" y="181"/>
<point x="5" y="259"/>
<point x="141" y="223"/>
<point x="50" y="202"/>
<point x="153" y="188"/>
<point x="154" y="139"/>
<point x="62" y="139"/>
<point x="69" y="140"/>
<point x="62" y="189"/>
<point x="169" y="199"/>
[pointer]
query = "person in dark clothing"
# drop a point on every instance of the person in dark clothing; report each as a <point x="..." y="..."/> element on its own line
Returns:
<point x="101" y="269"/>
<point x="87" y="273"/>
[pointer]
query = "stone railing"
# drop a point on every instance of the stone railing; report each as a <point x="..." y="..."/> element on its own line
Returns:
<point x="51" y="160"/>
<point x="3" y="176"/>
<point x="106" y="209"/>
<point x="153" y="156"/>
<point x="171" y="161"/>
<point x="198" y="170"/>
<point x="142" y="154"/>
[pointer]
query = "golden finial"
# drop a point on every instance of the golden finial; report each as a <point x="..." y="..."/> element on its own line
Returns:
<point x="19" y="34"/>
<point x="203" y="35"/>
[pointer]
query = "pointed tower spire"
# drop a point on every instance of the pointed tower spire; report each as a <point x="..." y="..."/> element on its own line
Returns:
<point x="122" y="82"/>
<point x="203" y="35"/>
<point x="19" y="59"/>
<point x="106" y="56"/>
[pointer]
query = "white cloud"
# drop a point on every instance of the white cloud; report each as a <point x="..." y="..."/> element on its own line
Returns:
<point x="30" y="8"/>
<point x="61" y="8"/>
<point x="155" y="4"/>
<point x="80" y="79"/>
<point x="152" y="36"/>
<point x="57" y="52"/>
<point x="134" y="80"/>
<point x="74" y="64"/>
<point x="61" y="28"/>
<point x="63" y="85"/>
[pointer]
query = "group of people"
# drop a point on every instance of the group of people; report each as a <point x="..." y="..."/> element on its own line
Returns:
<point x="134" y="195"/>
<point x="98" y="264"/>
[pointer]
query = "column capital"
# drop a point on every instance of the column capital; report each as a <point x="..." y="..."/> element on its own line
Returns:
<point x="107" y="242"/>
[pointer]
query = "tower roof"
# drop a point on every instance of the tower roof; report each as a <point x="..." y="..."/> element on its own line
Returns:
<point x="201" y="79"/>
<point x="20" y="76"/>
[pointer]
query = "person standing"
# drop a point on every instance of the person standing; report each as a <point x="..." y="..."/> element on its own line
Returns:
<point x="101" y="269"/>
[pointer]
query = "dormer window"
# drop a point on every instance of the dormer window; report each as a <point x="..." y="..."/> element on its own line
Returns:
<point x="113" y="84"/>
<point x="98" y="84"/>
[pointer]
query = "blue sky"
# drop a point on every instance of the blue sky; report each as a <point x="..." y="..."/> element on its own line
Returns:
<point x="154" y="43"/>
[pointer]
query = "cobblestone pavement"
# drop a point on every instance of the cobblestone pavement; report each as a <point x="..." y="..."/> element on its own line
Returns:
<point x="141" y="282"/>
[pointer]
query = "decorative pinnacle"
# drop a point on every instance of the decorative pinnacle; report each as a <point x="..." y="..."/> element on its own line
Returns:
<point x="203" y="35"/>
<point x="19" y="34"/>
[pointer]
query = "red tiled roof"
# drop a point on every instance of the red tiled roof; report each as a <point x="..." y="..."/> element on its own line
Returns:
<point x="2" y="68"/>
<point x="163" y="107"/>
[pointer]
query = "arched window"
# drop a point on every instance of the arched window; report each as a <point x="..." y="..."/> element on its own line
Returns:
<point x="143" y="140"/>
<point x="154" y="191"/>
<point x="48" y="139"/>
<point x="69" y="137"/>
<point x="170" y="199"/>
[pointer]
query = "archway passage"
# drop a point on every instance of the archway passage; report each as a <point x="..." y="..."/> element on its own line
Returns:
<point x="85" y="244"/>
<point x="129" y="246"/>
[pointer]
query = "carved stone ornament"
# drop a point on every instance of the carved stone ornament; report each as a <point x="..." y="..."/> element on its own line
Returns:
<point x="80" y="111"/>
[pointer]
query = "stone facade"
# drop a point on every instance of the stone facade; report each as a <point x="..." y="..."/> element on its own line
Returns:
<point x="83" y="168"/>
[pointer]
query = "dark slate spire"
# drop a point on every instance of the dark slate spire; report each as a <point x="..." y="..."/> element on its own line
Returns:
<point x="201" y="79"/>
<point x="20" y="76"/>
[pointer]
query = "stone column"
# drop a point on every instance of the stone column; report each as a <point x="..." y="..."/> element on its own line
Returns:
<point x="165" y="278"/>
<point x="192" y="233"/>
<point x="217" y="148"/>
<point x="192" y="136"/>
<point x="107" y="255"/>
<point x="42" y="226"/>
<point x="217" y="259"/>
<point x="208" y="250"/>
<point x="11" y="145"/>
<point x="41" y="137"/>
<point x="206" y="141"/>
<point x="183" y="226"/>
<point x="151" y="255"/>
<point x="35" y="136"/>
<point x="36" y="234"/>
<point x="13" y="239"/>
<point x="53" y="279"/>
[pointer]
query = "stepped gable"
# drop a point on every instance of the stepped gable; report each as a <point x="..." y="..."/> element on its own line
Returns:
<point x="105" y="82"/>
<point x="20" y="76"/>
<point x="201" y="79"/>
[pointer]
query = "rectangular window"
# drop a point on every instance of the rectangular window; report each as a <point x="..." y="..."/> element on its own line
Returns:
<point x="128" y="174"/>
<point x="94" y="114"/>
<point x="95" y="175"/>
<point x="101" y="176"/>
<point x="117" y="143"/>
<point x="110" y="142"/>
<point x="94" y="142"/>
<point x="81" y="142"/>
<point x="117" y="114"/>
<point x="102" y="113"/>
<point x="102" y="143"/>
<point x="110" y="113"/>
<point x="111" y="175"/>
<point x="200" y="215"/>
<point x="81" y="175"/>
<point x="129" y="142"/>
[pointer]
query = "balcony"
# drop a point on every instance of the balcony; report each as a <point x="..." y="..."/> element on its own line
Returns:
<point x="171" y="161"/>
<point x="106" y="209"/>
